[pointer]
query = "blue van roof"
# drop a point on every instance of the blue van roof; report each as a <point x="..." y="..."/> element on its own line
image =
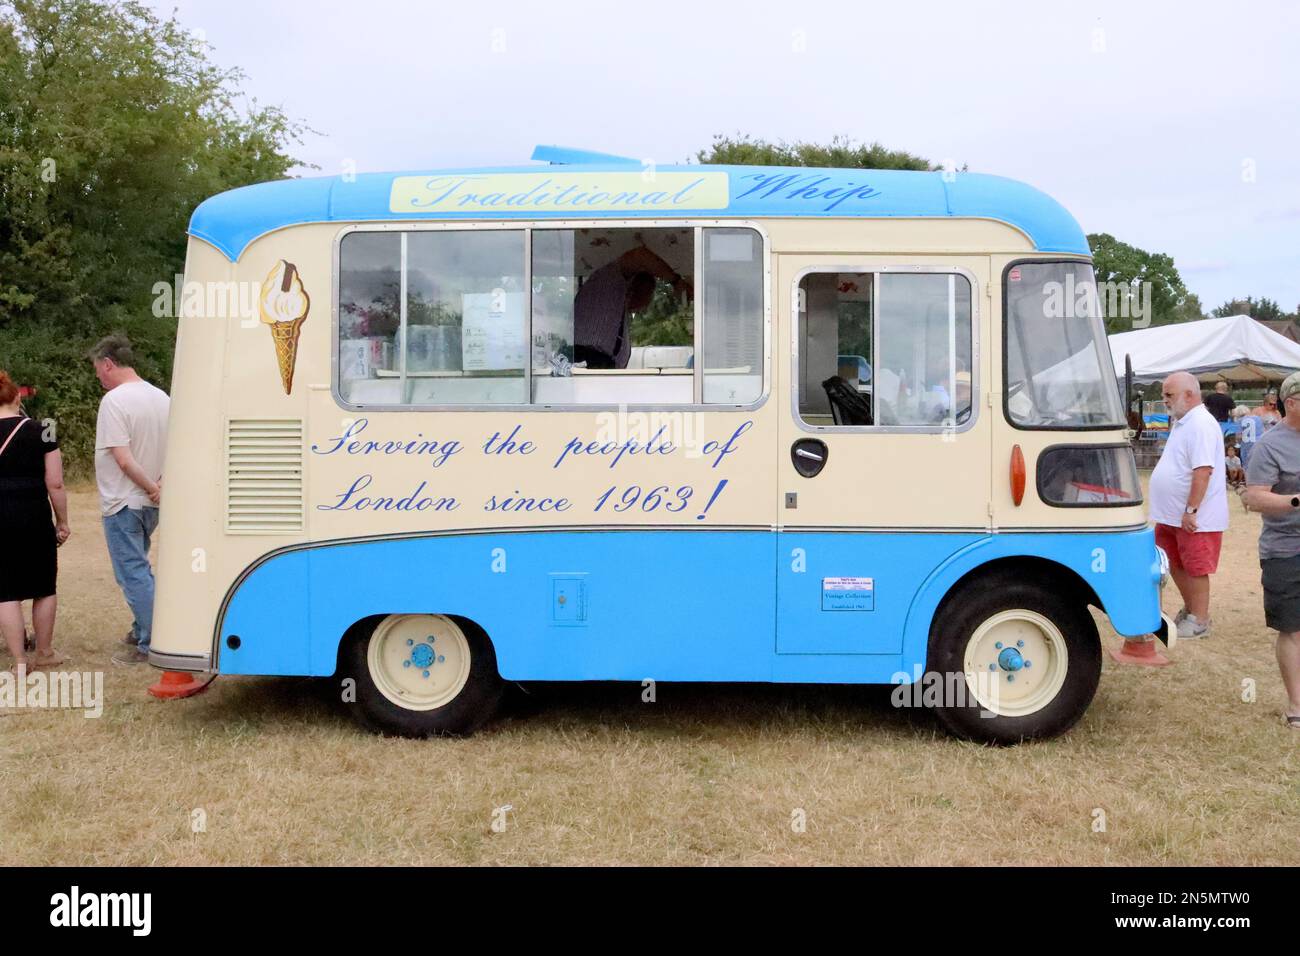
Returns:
<point x="618" y="187"/>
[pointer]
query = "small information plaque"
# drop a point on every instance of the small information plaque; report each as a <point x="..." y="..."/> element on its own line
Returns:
<point x="848" y="594"/>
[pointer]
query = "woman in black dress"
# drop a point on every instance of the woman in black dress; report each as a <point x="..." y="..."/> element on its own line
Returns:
<point x="31" y="482"/>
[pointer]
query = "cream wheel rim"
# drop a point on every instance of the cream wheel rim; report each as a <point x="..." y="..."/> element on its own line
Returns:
<point x="419" y="661"/>
<point x="1015" y="663"/>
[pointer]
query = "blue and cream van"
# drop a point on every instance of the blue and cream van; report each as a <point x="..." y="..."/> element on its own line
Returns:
<point x="590" y="419"/>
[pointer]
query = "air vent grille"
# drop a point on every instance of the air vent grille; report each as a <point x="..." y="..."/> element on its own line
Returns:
<point x="264" y="476"/>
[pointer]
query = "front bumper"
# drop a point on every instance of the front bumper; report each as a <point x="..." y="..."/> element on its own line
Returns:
<point x="1168" y="630"/>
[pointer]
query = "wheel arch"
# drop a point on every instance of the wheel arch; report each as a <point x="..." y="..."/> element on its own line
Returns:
<point x="983" y="562"/>
<point x="1025" y="567"/>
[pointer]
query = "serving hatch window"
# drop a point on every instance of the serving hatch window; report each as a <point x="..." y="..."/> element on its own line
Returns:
<point x="670" y="315"/>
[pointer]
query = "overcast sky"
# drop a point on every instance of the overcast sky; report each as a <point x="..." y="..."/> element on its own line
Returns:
<point x="1173" y="126"/>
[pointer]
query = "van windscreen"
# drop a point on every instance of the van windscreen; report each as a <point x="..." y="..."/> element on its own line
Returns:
<point x="1058" y="366"/>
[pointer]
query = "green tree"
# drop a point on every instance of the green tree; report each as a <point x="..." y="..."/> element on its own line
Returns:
<point x="1190" y="309"/>
<point x="841" y="152"/>
<point x="1115" y="261"/>
<point x="1265" y="309"/>
<point x="113" y="127"/>
<point x="666" y="320"/>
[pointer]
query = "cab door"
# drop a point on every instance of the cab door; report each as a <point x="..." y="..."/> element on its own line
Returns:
<point x="884" y="441"/>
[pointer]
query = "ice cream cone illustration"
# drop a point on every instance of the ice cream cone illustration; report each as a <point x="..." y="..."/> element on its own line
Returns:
<point x="284" y="304"/>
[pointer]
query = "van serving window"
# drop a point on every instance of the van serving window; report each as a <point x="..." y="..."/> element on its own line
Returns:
<point x="440" y="317"/>
<point x="885" y="349"/>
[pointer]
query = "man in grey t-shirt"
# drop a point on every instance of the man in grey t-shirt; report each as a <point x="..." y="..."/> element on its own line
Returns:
<point x="130" y="443"/>
<point x="1273" y="489"/>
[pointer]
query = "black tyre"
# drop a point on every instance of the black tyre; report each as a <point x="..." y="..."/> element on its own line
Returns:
<point x="421" y="675"/>
<point x="1023" y="657"/>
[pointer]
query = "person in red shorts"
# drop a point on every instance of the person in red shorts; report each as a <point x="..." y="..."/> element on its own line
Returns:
<point x="1189" y="501"/>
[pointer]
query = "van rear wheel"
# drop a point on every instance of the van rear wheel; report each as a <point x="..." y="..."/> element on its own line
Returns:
<point x="421" y="675"/>
<point x="1025" y="658"/>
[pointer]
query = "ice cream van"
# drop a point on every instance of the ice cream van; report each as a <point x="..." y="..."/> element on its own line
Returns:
<point x="592" y="419"/>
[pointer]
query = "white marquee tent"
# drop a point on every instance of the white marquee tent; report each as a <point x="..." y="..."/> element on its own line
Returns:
<point x="1235" y="349"/>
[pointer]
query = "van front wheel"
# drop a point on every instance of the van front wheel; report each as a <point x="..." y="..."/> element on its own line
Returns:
<point x="1023" y="659"/>
<point x="420" y="675"/>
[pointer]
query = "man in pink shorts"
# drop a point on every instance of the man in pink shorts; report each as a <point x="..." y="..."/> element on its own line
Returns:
<point x="1189" y="501"/>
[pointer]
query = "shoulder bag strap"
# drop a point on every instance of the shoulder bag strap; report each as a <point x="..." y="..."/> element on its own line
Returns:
<point x="21" y="423"/>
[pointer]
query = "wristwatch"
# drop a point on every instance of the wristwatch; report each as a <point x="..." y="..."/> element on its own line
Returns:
<point x="1295" y="501"/>
<point x="1189" y="510"/>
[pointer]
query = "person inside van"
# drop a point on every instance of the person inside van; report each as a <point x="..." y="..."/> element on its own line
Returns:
<point x="601" y="337"/>
<point x="942" y="409"/>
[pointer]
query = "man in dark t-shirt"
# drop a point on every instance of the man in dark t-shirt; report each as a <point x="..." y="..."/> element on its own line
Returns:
<point x="1220" y="403"/>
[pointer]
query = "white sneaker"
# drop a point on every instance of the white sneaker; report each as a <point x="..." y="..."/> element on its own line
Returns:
<point x="1191" y="628"/>
<point x="1180" y="616"/>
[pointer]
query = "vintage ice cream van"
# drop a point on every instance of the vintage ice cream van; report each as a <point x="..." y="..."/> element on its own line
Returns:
<point x="589" y="419"/>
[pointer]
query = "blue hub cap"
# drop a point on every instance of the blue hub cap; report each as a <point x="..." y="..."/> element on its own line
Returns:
<point x="422" y="655"/>
<point x="1010" y="659"/>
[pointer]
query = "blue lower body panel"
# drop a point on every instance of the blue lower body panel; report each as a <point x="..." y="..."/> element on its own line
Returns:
<point x="850" y="593"/>
<point x="824" y="607"/>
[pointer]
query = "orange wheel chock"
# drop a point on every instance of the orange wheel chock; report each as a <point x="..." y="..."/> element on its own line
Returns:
<point x="175" y="685"/>
<point x="1140" y="652"/>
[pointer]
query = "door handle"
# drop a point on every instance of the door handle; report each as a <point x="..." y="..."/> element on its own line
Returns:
<point x="809" y="456"/>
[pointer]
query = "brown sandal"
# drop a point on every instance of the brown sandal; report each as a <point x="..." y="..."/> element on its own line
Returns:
<point x="52" y="659"/>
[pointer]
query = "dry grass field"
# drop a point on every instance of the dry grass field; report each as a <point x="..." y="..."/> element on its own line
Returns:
<point x="1185" y="771"/>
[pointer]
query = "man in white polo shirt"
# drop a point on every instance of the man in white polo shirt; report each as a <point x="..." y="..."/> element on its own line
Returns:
<point x="1189" y="500"/>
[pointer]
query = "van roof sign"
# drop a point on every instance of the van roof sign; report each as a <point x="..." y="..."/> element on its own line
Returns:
<point x="579" y="185"/>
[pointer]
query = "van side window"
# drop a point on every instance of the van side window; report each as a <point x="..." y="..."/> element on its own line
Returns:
<point x="731" y="303"/>
<point x="432" y="318"/>
<point x="885" y="349"/>
<point x="444" y="317"/>
<point x="370" y="292"/>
